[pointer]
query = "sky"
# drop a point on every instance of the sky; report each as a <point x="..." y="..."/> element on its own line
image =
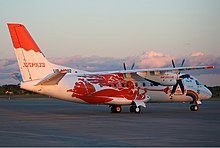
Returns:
<point x="147" y="32"/>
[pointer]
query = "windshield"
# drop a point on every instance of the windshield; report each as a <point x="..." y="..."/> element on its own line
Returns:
<point x="197" y="82"/>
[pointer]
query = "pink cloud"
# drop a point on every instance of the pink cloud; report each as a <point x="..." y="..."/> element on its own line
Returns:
<point x="153" y="59"/>
<point x="197" y="54"/>
<point x="200" y="58"/>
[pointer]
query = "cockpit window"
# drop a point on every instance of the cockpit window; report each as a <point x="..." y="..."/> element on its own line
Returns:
<point x="185" y="76"/>
<point x="197" y="82"/>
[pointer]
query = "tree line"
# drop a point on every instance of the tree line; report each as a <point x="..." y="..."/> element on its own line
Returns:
<point x="14" y="90"/>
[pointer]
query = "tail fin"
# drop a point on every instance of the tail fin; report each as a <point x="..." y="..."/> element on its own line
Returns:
<point x="32" y="63"/>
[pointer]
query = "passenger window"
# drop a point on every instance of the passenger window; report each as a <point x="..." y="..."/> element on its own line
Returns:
<point x="122" y="84"/>
<point x="152" y="73"/>
<point x="127" y="84"/>
<point x="136" y="84"/>
<point x="114" y="84"/>
<point x="110" y="85"/>
<point x="144" y="84"/>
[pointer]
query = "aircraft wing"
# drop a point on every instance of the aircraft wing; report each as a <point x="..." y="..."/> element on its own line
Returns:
<point x="156" y="71"/>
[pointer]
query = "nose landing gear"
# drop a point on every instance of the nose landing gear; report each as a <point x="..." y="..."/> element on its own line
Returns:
<point x="194" y="107"/>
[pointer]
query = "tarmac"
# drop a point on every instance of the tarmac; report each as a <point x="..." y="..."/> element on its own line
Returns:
<point x="59" y="123"/>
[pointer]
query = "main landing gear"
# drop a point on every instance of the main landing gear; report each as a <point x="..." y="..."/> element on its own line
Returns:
<point x="117" y="109"/>
<point x="135" y="109"/>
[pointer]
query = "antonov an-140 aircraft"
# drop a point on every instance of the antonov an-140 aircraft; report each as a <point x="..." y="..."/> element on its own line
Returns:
<point x="134" y="87"/>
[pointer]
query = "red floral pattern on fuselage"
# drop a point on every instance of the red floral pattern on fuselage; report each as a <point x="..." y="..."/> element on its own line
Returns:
<point x="84" y="89"/>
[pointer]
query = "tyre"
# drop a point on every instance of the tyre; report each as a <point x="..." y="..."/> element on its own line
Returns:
<point x="132" y="109"/>
<point x="137" y="110"/>
<point x="194" y="107"/>
<point x="116" y="109"/>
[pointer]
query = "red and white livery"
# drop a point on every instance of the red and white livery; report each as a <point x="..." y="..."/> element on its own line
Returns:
<point x="135" y="87"/>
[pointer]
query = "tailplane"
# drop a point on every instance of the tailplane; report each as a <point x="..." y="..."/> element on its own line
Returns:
<point x="32" y="63"/>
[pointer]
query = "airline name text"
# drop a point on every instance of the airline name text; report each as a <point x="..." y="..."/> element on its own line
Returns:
<point x="27" y="64"/>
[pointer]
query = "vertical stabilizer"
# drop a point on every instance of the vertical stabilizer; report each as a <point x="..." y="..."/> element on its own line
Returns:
<point x="32" y="63"/>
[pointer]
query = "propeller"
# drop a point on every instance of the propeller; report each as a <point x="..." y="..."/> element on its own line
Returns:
<point x="180" y="83"/>
<point x="173" y="64"/>
<point x="182" y="62"/>
<point x="132" y="67"/>
<point x="179" y="79"/>
<point x="124" y="66"/>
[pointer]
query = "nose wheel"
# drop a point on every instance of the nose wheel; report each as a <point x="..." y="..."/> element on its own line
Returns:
<point x="135" y="109"/>
<point x="194" y="108"/>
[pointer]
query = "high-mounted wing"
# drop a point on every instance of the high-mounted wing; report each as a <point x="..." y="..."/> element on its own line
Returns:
<point x="163" y="76"/>
<point x="156" y="71"/>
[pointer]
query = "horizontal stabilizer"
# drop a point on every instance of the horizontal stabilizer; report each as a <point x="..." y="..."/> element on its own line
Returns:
<point x="53" y="79"/>
<point x="16" y="76"/>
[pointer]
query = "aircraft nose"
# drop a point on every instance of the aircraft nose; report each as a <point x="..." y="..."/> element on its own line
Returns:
<point x="208" y="93"/>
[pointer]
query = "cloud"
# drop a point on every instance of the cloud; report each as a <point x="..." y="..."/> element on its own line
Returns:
<point x="200" y="58"/>
<point x="150" y="59"/>
<point x="196" y="54"/>
<point x="145" y="60"/>
<point x="153" y="59"/>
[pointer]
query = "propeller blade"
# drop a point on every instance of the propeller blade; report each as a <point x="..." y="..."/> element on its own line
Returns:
<point x="179" y="81"/>
<point x="124" y="66"/>
<point x="174" y="88"/>
<point x="173" y="64"/>
<point x="182" y="62"/>
<point x="132" y="67"/>
<point x="181" y="85"/>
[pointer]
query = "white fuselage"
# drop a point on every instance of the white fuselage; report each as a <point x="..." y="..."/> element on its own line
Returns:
<point x="156" y="93"/>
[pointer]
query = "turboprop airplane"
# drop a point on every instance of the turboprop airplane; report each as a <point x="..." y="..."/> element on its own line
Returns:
<point x="134" y="87"/>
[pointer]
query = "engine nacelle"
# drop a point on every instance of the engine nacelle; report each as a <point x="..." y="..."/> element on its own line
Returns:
<point x="167" y="79"/>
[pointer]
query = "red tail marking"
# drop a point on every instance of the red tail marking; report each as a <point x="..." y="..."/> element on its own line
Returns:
<point x="21" y="38"/>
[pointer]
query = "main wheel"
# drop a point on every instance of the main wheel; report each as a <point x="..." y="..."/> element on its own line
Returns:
<point x="194" y="107"/>
<point x="116" y="109"/>
<point x="135" y="109"/>
<point x="132" y="109"/>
